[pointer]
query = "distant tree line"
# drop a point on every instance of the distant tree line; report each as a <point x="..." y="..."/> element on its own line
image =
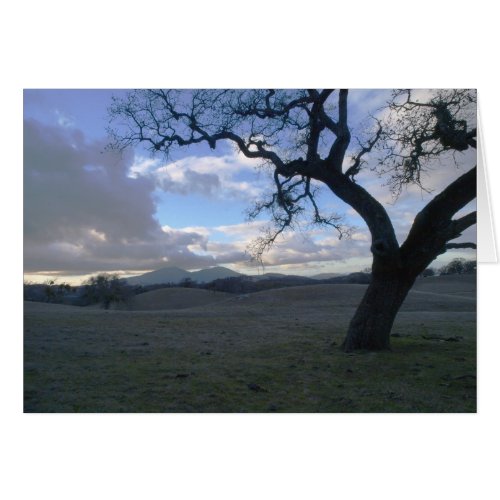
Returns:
<point x="456" y="266"/>
<point x="459" y="266"/>
<point x="48" y="291"/>
<point x="104" y="289"/>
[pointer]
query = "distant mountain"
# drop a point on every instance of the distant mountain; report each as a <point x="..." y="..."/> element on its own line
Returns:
<point x="324" y="276"/>
<point x="163" y="275"/>
<point x="176" y="275"/>
<point x="267" y="276"/>
<point x="352" y="278"/>
<point x="213" y="273"/>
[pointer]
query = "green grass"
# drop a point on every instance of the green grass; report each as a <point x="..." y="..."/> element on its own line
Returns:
<point x="247" y="357"/>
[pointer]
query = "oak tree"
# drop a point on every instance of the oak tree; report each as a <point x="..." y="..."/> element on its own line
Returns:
<point x="306" y="139"/>
<point x="106" y="289"/>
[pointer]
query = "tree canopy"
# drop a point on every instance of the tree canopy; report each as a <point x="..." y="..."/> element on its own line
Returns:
<point x="305" y="137"/>
<point x="106" y="289"/>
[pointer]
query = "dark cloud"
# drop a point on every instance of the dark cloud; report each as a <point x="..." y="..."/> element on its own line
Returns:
<point x="83" y="213"/>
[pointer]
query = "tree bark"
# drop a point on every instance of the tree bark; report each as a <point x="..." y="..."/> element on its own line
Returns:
<point x="370" y="328"/>
<point x="395" y="268"/>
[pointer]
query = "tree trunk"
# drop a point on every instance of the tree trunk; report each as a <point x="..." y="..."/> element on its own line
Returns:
<point x="370" y="328"/>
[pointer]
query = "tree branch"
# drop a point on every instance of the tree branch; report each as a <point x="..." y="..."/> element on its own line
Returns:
<point x="270" y="111"/>
<point x="343" y="108"/>
<point x="417" y="133"/>
<point x="336" y="155"/>
<point x="316" y="122"/>
<point x="285" y="204"/>
<point x="260" y="153"/>
<point x="439" y="211"/>
<point x="358" y="159"/>
<point x="450" y="246"/>
<point x="384" y="242"/>
<point x="433" y="226"/>
<point x="460" y="225"/>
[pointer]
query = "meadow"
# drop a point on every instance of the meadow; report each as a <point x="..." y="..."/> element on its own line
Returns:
<point x="189" y="350"/>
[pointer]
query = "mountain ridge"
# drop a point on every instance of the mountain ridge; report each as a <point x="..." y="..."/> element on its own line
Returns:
<point x="175" y="275"/>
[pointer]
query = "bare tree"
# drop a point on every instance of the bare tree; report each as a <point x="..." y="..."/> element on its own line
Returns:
<point x="304" y="136"/>
<point x="106" y="289"/>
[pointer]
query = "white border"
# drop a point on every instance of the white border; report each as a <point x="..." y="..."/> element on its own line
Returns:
<point x="213" y="44"/>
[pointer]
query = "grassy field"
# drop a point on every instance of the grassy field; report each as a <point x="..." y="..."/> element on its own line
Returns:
<point x="272" y="351"/>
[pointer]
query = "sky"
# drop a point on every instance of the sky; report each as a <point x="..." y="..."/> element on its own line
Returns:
<point x="90" y="210"/>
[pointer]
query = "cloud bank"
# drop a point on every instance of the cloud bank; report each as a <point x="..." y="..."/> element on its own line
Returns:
<point x="230" y="176"/>
<point x="84" y="213"/>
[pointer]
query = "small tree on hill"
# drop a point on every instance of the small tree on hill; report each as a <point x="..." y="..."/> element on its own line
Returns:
<point x="305" y="137"/>
<point x="187" y="283"/>
<point x="106" y="289"/>
<point x="49" y="290"/>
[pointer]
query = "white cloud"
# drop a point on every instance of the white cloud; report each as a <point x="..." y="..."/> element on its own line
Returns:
<point x="245" y="230"/>
<point x="142" y="166"/>
<point x="202" y="230"/>
<point x="228" y="176"/>
<point x="63" y="119"/>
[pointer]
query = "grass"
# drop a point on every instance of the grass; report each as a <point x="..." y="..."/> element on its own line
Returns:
<point x="276" y="351"/>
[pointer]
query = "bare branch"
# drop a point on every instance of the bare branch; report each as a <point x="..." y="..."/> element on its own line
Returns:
<point x="290" y="199"/>
<point x="384" y="242"/>
<point x="434" y="227"/>
<point x="451" y="246"/>
<point x="447" y="203"/>
<point x="343" y="108"/>
<point x="358" y="159"/>
<point x="337" y="152"/>
<point x="460" y="225"/>
<point x="269" y="106"/>
<point x="316" y="122"/>
<point x="417" y="133"/>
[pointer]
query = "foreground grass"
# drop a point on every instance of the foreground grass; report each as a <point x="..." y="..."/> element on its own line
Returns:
<point x="236" y="359"/>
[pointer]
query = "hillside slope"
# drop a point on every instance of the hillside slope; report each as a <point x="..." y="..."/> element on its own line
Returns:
<point x="175" y="298"/>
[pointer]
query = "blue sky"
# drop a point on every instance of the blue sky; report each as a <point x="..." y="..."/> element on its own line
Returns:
<point x="88" y="210"/>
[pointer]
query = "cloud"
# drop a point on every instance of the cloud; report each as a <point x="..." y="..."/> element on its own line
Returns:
<point x="191" y="182"/>
<point x="71" y="187"/>
<point x="230" y="243"/>
<point x="296" y="248"/>
<point x="63" y="119"/>
<point x="83" y="212"/>
<point x="245" y="230"/>
<point x="228" y="176"/>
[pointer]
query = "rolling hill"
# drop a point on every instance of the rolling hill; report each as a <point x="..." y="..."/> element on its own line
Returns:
<point x="175" y="298"/>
